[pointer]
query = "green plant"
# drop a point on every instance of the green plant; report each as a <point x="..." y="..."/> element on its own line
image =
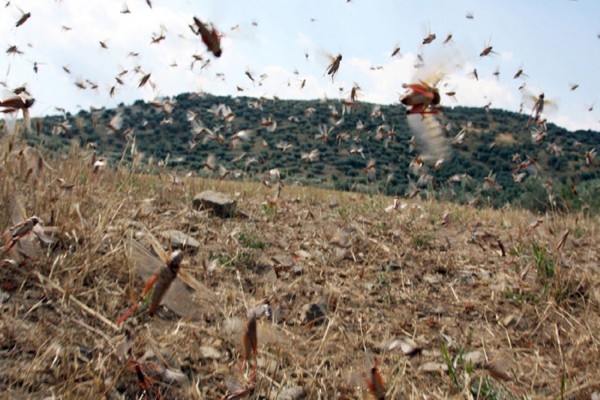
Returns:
<point x="251" y="241"/>
<point x="422" y="240"/>
<point x="450" y="365"/>
<point x="544" y="264"/>
<point x="270" y="210"/>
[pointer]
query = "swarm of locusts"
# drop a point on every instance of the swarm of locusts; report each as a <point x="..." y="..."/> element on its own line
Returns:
<point x="282" y="300"/>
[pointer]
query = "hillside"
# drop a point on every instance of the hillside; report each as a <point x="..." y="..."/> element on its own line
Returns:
<point x="495" y="143"/>
<point x="453" y="301"/>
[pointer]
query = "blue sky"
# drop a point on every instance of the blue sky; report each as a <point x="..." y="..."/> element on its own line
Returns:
<point x="554" y="41"/>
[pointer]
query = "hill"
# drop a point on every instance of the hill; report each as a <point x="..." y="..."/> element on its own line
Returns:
<point x="429" y="299"/>
<point x="542" y="172"/>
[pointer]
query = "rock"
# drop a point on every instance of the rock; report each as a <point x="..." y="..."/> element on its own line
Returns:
<point x="314" y="313"/>
<point x="476" y="358"/>
<point x="219" y="203"/>
<point x="394" y="266"/>
<point x="210" y="352"/>
<point x="292" y="393"/>
<point x="298" y="269"/>
<point x="433" y="367"/>
<point x="408" y="346"/>
<point x="4" y="297"/>
<point x="180" y="240"/>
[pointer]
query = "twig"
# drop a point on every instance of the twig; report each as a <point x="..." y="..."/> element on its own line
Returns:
<point x="78" y="303"/>
<point x="239" y="278"/>
<point x="94" y="330"/>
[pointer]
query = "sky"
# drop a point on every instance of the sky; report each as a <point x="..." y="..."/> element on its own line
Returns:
<point x="555" y="42"/>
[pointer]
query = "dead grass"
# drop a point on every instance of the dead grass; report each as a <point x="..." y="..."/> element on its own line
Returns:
<point x="483" y="324"/>
<point x="505" y="138"/>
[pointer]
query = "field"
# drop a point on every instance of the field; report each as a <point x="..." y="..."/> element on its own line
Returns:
<point x="452" y="301"/>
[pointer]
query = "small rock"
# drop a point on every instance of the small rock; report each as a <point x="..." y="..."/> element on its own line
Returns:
<point x="292" y="393"/>
<point x="210" y="352"/>
<point x="433" y="367"/>
<point x="408" y="346"/>
<point x="298" y="269"/>
<point x="180" y="240"/>
<point x="4" y="297"/>
<point x="220" y="203"/>
<point x="394" y="266"/>
<point x="302" y="254"/>
<point x="508" y="320"/>
<point x="314" y="313"/>
<point x="476" y="358"/>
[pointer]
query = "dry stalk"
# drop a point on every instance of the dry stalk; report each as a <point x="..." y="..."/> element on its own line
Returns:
<point x="78" y="303"/>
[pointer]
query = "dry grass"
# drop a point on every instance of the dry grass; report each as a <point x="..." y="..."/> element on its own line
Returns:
<point x="527" y="320"/>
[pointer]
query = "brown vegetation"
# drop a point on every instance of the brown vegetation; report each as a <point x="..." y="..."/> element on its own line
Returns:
<point x="432" y="300"/>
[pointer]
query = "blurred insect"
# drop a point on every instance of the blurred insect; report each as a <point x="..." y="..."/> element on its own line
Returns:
<point x="573" y="86"/>
<point x="268" y="123"/>
<point x="396" y="51"/>
<point x="24" y="17"/>
<point x="334" y="66"/>
<point x="116" y="123"/>
<point x="19" y="231"/>
<point x="22" y="227"/>
<point x="474" y="74"/>
<point x="312" y="156"/>
<point x="487" y="50"/>
<point x="13" y="49"/>
<point x="250" y="335"/>
<point x="375" y="381"/>
<point x="145" y="79"/>
<point x="165" y="279"/>
<point x="590" y="156"/>
<point x="452" y="95"/>
<point x="520" y="73"/>
<point x="158" y="37"/>
<point x="159" y="282"/>
<point x="210" y="37"/>
<point x="354" y="93"/>
<point x="235" y="391"/>
<point x="421" y="98"/>
<point x="496" y="73"/>
<point x="36" y="66"/>
<point x="540" y="105"/>
<point x="249" y="75"/>
<point x="448" y="39"/>
<point x="145" y="382"/>
<point x="561" y="242"/>
<point x="429" y="38"/>
<point x="239" y="137"/>
<point x="18" y="100"/>
<point x="489" y="182"/>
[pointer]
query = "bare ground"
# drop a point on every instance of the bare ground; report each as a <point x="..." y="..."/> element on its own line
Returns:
<point x="475" y="305"/>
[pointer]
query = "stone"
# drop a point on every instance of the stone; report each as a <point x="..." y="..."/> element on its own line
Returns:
<point x="210" y="352"/>
<point x="4" y="297"/>
<point x="292" y="393"/>
<point x="314" y="313"/>
<point x="221" y="204"/>
<point x="180" y="240"/>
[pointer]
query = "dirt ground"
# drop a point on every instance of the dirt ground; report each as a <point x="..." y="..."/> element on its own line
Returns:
<point x="429" y="300"/>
